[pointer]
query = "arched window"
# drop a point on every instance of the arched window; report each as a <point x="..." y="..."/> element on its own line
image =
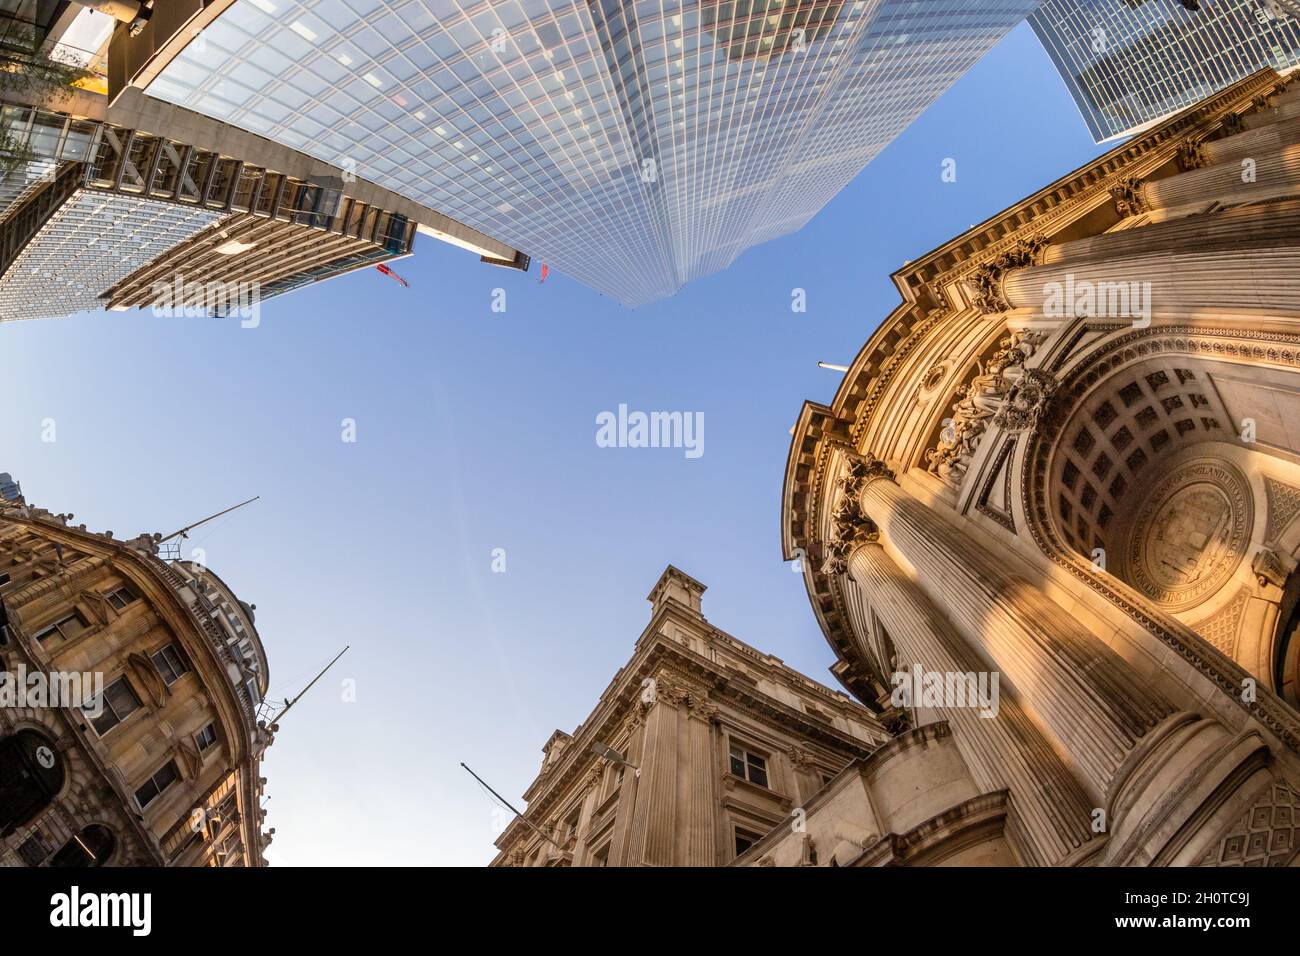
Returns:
<point x="31" y="774"/>
<point x="91" y="847"/>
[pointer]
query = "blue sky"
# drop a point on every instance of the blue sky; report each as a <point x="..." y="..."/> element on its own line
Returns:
<point x="475" y="431"/>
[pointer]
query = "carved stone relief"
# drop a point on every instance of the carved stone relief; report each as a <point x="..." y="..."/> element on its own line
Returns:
<point x="1190" y="535"/>
<point x="1001" y="379"/>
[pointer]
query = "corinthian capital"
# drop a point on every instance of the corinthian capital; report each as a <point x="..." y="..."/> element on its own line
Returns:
<point x="863" y="466"/>
<point x="1191" y="155"/>
<point x="850" y="528"/>
<point x="987" y="279"/>
<point x="1128" y="196"/>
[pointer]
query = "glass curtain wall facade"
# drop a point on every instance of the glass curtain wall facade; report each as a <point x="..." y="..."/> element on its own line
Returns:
<point x="1130" y="63"/>
<point x="632" y="145"/>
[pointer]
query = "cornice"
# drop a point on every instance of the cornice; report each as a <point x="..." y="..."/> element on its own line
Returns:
<point x="687" y="672"/>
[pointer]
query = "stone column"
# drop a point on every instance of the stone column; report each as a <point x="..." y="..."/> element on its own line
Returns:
<point x="1162" y="282"/>
<point x="1263" y="225"/>
<point x="1283" y="106"/>
<point x="1263" y="139"/>
<point x="1271" y="174"/>
<point x="1049" y="815"/>
<point x="1079" y="691"/>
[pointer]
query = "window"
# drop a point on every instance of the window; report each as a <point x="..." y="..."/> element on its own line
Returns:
<point x="207" y="737"/>
<point x="34" y="850"/>
<point x="120" y="598"/>
<point x="160" y="781"/>
<point x="170" y="663"/>
<point x="571" y="826"/>
<point x="118" y="701"/>
<point x="67" y="627"/>
<point x="748" y="765"/>
<point x="91" y="847"/>
<point x="601" y="856"/>
<point x="745" y="839"/>
<point x="4" y="578"/>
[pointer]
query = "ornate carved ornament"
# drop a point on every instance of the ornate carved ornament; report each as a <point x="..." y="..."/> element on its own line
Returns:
<point x="1129" y="197"/>
<point x="978" y="404"/>
<point x="1159" y="559"/>
<point x="851" y="527"/>
<point x="1026" y="401"/>
<point x="987" y="279"/>
<point x="1191" y="154"/>
<point x="1272" y="567"/>
<point x="146" y="673"/>
<point x="1277" y="348"/>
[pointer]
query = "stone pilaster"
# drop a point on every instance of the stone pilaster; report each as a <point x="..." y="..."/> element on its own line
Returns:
<point x="699" y="807"/>
<point x="652" y="837"/>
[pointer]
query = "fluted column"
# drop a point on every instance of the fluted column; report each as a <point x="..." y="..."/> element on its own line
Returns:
<point x="1263" y="139"/>
<point x="1079" y="691"/>
<point x="1163" y="282"/>
<point x="1049" y="814"/>
<point x="1284" y="106"/>
<point x="1273" y="173"/>
<point x="1266" y="224"/>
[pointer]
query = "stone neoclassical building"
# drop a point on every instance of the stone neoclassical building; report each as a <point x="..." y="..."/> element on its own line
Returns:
<point x="721" y="745"/>
<point x="157" y="766"/>
<point x="1071" y="457"/>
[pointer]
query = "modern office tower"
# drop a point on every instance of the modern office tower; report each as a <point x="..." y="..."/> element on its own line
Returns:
<point x="10" y="490"/>
<point x="126" y="219"/>
<point x="1069" y="457"/>
<point x="634" y="147"/>
<point x="1132" y="63"/>
<point x="150" y="753"/>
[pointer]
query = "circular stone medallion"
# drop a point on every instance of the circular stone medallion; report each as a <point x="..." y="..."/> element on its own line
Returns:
<point x="1190" y="534"/>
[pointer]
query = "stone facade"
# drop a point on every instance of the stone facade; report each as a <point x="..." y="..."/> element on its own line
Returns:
<point x="156" y="766"/>
<point x="1070" y="459"/>
<point x="720" y="744"/>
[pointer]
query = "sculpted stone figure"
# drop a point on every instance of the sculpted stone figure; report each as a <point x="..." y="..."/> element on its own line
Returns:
<point x="978" y="405"/>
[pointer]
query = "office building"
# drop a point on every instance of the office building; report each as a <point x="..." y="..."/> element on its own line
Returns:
<point x="634" y="147"/>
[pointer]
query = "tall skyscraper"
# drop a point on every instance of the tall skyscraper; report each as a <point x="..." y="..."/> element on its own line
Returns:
<point x="1131" y="63"/>
<point x="122" y="218"/>
<point x="10" y="490"/>
<point x="634" y="147"/>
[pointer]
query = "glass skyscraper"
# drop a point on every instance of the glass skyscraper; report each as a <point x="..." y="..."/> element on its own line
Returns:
<point x="1130" y="63"/>
<point x="632" y="145"/>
